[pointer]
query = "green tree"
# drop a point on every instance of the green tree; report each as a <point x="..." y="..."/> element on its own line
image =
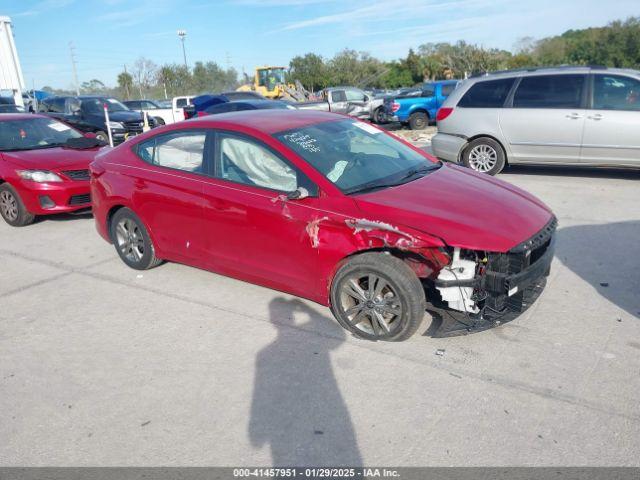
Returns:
<point x="125" y="85"/>
<point x="311" y="70"/>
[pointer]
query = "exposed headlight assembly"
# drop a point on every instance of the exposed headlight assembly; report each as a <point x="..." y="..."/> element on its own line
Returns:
<point x="40" y="176"/>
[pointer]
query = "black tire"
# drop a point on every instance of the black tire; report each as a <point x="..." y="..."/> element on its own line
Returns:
<point x="102" y="136"/>
<point x="419" y="121"/>
<point x="491" y="163"/>
<point x="159" y="121"/>
<point x="132" y="241"/>
<point x="401" y="287"/>
<point x="379" y="116"/>
<point x="12" y="208"/>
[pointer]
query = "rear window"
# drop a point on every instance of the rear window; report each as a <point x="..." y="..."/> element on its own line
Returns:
<point x="488" y="94"/>
<point x="549" y="91"/>
<point x="448" y="88"/>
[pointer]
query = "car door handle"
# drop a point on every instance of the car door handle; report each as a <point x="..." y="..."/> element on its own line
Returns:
<point x="574" y="116"/>
<point x="596" y="117"/>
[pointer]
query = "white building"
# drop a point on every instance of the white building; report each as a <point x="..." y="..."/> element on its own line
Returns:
<point x="11" y="80"/>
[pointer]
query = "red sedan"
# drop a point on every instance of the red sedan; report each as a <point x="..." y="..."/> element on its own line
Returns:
<point x="44" y="168"/>
<point x="328" y="208"/>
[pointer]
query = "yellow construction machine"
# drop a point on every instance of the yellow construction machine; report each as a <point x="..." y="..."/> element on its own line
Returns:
<point x="268" y="82"/>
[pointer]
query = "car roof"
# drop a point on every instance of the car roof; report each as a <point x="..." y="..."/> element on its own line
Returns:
<point x="268" y="121"/>
<point x="22" y="116"/>
<point x="562" y="69"/>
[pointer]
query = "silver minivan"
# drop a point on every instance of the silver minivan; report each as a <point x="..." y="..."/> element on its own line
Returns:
<point x="565" y="116"/>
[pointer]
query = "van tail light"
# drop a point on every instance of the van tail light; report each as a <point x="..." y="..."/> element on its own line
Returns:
<point x="395" y="106"/>
<point x="443" y="113"/>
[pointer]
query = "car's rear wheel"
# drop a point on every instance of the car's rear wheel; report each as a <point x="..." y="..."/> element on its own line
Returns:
<point x="418" y="121"/>
<point x="378" y="115"/>
<point x="132" y="241"/>
<point x="484" y="155"/>
<point x="12" y="209"/>
<point x="159" y="121"/>
<point x="376" y="296"/>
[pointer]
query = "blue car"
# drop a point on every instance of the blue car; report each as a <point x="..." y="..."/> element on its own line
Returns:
<point x="418" y="111"/>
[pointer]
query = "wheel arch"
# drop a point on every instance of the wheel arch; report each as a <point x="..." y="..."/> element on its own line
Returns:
<point x="484" y="135"/>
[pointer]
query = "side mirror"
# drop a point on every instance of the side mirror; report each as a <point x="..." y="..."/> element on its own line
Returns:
<point x="298" y="194"/>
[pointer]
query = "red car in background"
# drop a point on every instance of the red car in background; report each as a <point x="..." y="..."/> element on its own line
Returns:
<point x="329" y="208"/>
<point x="44" y="168"/>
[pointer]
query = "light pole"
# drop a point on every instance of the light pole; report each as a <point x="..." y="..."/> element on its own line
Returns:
<point x="182" y="34"/>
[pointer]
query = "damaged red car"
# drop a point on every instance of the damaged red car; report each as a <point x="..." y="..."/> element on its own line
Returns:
<point x="329" y="208"/>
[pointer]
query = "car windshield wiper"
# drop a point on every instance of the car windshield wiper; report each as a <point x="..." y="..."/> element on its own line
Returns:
<point x="414" y="172"/>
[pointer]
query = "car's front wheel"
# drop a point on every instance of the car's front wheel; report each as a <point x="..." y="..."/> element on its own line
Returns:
<point x="132" y="241"/>
<point x="12" y="209"/>
<point x="376" y="296"/>
<point x="102" y="136"/>
<point x="484" y="155"/>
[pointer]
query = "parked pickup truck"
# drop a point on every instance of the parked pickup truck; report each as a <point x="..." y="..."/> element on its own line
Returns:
<point x="419" y="111"/>
<point x="163" y="116"/>
<point x="349" y="100"/>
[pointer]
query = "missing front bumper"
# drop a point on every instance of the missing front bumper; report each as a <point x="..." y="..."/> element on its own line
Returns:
<point x="451" y="323"/>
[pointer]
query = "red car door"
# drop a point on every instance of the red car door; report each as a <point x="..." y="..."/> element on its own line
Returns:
<point x="168" y="192"/>
<point x="252" y="230"/>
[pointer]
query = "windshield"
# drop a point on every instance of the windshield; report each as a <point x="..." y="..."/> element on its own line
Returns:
<point x="270" y="77"/>
<point x="32" y="133"/>
<point x="96" y="105"/>
<point x="356" y="156"/>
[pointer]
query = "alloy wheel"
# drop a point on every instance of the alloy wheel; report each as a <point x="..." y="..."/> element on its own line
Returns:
<point x="9" y="206"/>
<point x="483" y="158"/>
<point x="130" y="239"/>
<point x="371" y="304"/>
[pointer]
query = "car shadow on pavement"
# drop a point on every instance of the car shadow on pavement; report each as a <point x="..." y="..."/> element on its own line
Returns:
<point x="567" y="171"/>
<point x="65" y="217"/>
<point x="297" y="407"/>
<point x="608" y="257"/>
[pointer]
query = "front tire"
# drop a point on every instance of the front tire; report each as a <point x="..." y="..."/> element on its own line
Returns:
<point x="376" y="296"/>
<point x="132" y="241"/>
<point x="102" y="136"/>
<point x="484" y="155"/>
<point x="12" y="208"/>
<point x="418" y="121"/>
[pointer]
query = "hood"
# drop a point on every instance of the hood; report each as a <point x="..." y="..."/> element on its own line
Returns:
<point x="124" y="116"/>
<point x="463" y="208"/>
<point x="54" y="159"/>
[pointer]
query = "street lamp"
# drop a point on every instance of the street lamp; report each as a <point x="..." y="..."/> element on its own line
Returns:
<point x="182" y="34"/>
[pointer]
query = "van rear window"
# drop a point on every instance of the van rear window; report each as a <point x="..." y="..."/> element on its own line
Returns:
<point x="487" y="94"/>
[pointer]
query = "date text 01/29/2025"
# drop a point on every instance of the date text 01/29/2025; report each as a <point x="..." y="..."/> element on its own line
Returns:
<point x="317" y="472"/>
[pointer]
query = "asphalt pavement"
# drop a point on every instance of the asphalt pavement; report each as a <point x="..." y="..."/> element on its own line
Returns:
<point x="101" y="365"/>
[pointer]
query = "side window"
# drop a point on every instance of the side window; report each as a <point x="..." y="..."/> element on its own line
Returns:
<point x="354" y="96"/>
<point x="148" y="106"/>
<point x="181" y="102"/>
<point x="182" y="150"/>
<point x="428" y="91"/>
<point x="487" y="94"/>
<point x="549" y="91"/>
<point x="56" y="105"/>
<point x="448" y="88"/>
<point x="134" y="105"/>
<point x="247" y="162"/>
<point x="615" y="92"/>
<point x="338" y="96"/>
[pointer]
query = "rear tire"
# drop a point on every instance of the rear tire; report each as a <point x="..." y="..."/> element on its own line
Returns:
<point x="484" y="155"/>
<point x="159" y="121"/>
<point x="102" y="136"/>
<point x="379" y="116"/>
<point x="418" y="121"/>
<point x="376" y="296"/>
<point x="132" y="241"/>
<point x="12" y="209"/>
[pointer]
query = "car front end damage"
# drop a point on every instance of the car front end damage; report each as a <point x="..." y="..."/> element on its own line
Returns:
<point x="480" y="289"/>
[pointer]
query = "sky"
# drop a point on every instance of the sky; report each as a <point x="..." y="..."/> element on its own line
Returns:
<point x="108" y="34"/>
